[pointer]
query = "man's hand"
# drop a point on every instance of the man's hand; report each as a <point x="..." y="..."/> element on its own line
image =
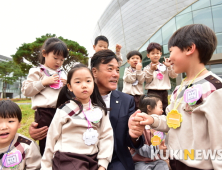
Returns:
<point x="135" y="128"/>
<point x="37" y="134"/>
<point x="145" y="119"/>
<point x="139" y="66"/>
<point x="118" y="48"/>
<point x="153" y="66"/>
<point x="50" y="80"/>
<point x="167" y="62"/>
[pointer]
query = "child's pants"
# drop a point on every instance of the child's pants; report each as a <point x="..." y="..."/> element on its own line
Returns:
<point x="44" y="116"/>
<point x="156" y="165"/>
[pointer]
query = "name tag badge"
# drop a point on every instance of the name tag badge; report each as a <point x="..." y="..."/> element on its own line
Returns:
<point x="160" y="76"/>
<point x="155" y="140"/>
<point x="135" y="83"/>
<point x="193" y="94"/>
<point x="90" y="137"/>
<point x="94" y="115"/>
<point x="174" y="119"/>
<point x="12" y="159"/>
<point x="161" y="67"/>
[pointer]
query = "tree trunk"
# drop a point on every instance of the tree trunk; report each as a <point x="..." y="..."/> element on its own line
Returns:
<point x="20" y="86"/>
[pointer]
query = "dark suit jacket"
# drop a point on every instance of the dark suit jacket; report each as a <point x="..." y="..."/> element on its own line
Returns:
<point x="122" y="106"/>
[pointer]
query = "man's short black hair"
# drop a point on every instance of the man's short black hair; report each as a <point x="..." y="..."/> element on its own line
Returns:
<point x="101" y="38"/>
<point x="202" y="36"/>
<point x="103" y="57"/>
<point x="132" y="53"/>
<point x="9" y="109"/>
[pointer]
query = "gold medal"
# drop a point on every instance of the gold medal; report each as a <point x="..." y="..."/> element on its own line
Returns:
<point x="174" y="118"/>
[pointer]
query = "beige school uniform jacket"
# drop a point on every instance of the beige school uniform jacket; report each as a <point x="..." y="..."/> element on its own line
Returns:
<point x="31" y="157"/>
<point x="65" y="134"/>
<point x="201" y="127"/>
<point x="130" y="76"/>
<point x="42" y="97"/>
<point x="152" y="82"/>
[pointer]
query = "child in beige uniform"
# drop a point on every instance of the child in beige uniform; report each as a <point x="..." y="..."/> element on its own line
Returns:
<point x="102" y="43"/>
<point x="151" y="105"/>
<point x="194" y="120"/>
<point x="80" y="135"/>
<point x="157" y="74"/>
<point x="133" y="77"/>
<point x="44" y="83"/>
<point x="16" y="151"/>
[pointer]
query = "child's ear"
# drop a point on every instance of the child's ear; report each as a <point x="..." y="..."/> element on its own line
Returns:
<point x="128" y="61"/>
<point x="191" y="49"/>
<point x="149" y="108"/>
<point x="19" y="125"/>
<point x="69" y="87"/>
<point x="148" y="55"/>
<point x="43" y="53"/>
<point x="160" y="53"/>
<point x="94" y="72"/>
<point x="94" y="47"/>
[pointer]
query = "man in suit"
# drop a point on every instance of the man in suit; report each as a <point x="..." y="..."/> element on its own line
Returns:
<point x="105" y="69"/>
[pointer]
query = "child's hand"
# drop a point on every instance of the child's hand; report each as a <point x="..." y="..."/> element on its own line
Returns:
<point x="153" y="66"/>
<point x="118" y="48"/>
<point x="163" y="147"/>
<point x="139" y="66"/>
<point x="147" y="119"/>
<point x="64" y="81"/>
<point x="101" y="168"/>
<point x="167" y="62"/>
<point x="50" y="80"/>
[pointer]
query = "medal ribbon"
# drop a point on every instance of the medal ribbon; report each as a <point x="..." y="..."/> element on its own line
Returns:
<point x="89" y="124"/>
<point x="180" y="89"/>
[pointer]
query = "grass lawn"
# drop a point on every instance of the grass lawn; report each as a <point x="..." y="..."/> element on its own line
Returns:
<point x="23" y="101"/>
<point x="27" y="119"/>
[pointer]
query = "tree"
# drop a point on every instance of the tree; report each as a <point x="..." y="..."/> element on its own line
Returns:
<point x="9" y="73"/>
<point x="31" y="51"/>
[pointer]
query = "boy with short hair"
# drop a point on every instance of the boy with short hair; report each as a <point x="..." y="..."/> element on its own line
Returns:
<point x="133" y="77"/>
<point x="194" y="120"/>
<point x="157" y="74"/>
<point x="16" y="150"/>
<point x="102" y="43"/>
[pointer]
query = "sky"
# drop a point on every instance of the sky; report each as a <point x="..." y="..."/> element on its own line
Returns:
<point x="22" y="21"/>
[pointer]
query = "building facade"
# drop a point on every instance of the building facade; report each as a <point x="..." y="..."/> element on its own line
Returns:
<point x="136" y="23"/>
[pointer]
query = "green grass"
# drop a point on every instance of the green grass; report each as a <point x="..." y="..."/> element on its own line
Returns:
<point x="23" y="101"/>
<point x="27" y="119"/>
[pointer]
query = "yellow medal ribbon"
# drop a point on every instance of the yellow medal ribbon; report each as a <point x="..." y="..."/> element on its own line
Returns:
<point x="174" y="118"/>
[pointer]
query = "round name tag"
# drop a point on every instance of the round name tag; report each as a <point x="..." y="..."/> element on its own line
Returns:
<point x="94" y="115"/>
<point x="174" y="118"/>
<point x="161" y="67"/>
<point x="155" y="140"/>
<point x="90" y="137"/>
<point x="12" y="159"/>
<point x="160" y="134"/>
<point x="193" y="94"/>
<point x="135" y="83"/>
<point x="160" y="76"/>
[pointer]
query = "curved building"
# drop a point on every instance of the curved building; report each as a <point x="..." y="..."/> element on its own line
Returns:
<point x="136" y="23"/>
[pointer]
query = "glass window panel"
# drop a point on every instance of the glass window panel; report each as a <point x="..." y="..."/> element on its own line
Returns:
<point x="217" y="18"/>
<point x="200" y="4"/>
<point x="185" y="19"/>
<point x="216" y="69"/>
<point x="219" y="43"/>
<point x="215" y="2"/>
<point x="203" y="16"/>
<point x="185" y="11"/>
<point x="165" y="49"/>
<point x="168" y="29"/>
<point x="157" y="37"/>
<point x="144" y="47"/>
